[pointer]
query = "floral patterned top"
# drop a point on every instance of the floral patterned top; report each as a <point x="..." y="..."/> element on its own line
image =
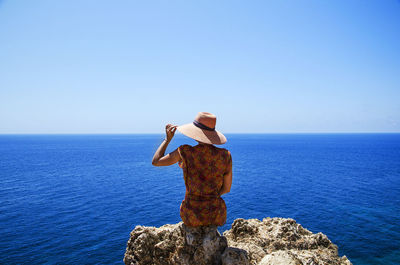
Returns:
<point x="204" y="167"/>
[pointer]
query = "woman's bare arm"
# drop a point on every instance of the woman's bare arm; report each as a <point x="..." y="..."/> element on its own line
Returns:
<point x="159" y="159"/>
<point x="226" y="187"/>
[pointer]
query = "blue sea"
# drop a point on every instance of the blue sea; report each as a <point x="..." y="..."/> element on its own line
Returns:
<point x="74" y="199"/>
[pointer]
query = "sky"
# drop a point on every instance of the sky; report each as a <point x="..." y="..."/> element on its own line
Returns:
<point x="260" y="66"/>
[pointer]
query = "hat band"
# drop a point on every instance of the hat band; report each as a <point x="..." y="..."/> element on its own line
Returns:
<point x="202" y="126"/>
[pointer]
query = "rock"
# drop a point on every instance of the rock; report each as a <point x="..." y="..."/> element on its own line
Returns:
<point x="175" y="244"/>
<point x="234" y="256"/>
<point x="268" y="242"/>
<point x="280" y="257"/>
<point x="282" y="241"/>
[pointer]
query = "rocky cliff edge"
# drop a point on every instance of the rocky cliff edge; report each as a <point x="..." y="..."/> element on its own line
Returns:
<point x="271" y="241"/>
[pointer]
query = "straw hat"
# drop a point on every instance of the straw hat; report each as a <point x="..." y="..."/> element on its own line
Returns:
<point x="203" y="130"/>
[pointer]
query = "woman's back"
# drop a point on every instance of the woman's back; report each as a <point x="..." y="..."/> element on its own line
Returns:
<point x="204" y="167"/>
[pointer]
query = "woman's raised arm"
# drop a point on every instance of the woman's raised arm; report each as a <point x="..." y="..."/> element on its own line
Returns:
<point x="159" y="159"/>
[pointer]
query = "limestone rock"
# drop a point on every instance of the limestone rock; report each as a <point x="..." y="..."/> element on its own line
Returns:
<point x="175" y="244"/>
<point x="268" y="242"/>
<point x="282" y="241"/>
<point x="235" y="256"/>
<point x="280" y="257"/>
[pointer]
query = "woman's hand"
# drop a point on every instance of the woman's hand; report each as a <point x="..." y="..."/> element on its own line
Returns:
<point x="170" y="131"/>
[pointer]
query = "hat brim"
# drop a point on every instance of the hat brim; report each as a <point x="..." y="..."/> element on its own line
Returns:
<point x="205" y="136"/>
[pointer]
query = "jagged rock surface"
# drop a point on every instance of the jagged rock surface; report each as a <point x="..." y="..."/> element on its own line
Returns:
<point x="282" y="241"/>
<point x="271" y="241"/>
<point x="175" y="244"/>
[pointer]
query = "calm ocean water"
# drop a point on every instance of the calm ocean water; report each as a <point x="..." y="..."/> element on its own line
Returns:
<point x="73" y="199"/>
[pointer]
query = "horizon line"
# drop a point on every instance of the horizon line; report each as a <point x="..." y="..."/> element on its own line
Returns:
<point x="151" y="133"/>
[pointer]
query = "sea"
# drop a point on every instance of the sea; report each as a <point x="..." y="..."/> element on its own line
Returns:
<point x="74" y="199"/>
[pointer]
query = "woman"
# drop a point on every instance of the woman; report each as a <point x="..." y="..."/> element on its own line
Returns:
<point x="207" y="170"/>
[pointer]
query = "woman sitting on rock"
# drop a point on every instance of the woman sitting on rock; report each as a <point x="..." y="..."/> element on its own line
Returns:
<point x="207" y="170"/>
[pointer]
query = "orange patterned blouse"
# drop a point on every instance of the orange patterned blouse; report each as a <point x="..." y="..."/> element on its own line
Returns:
<point x="204" y="167"/>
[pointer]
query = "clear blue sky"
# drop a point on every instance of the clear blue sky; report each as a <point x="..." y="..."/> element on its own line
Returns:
<point x="260" y="66"/>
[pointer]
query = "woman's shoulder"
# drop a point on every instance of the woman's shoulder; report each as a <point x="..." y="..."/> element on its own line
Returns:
<point x="185" y="148"/>
<point x="199" y="148"/>
<point x="223" y="150"/>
